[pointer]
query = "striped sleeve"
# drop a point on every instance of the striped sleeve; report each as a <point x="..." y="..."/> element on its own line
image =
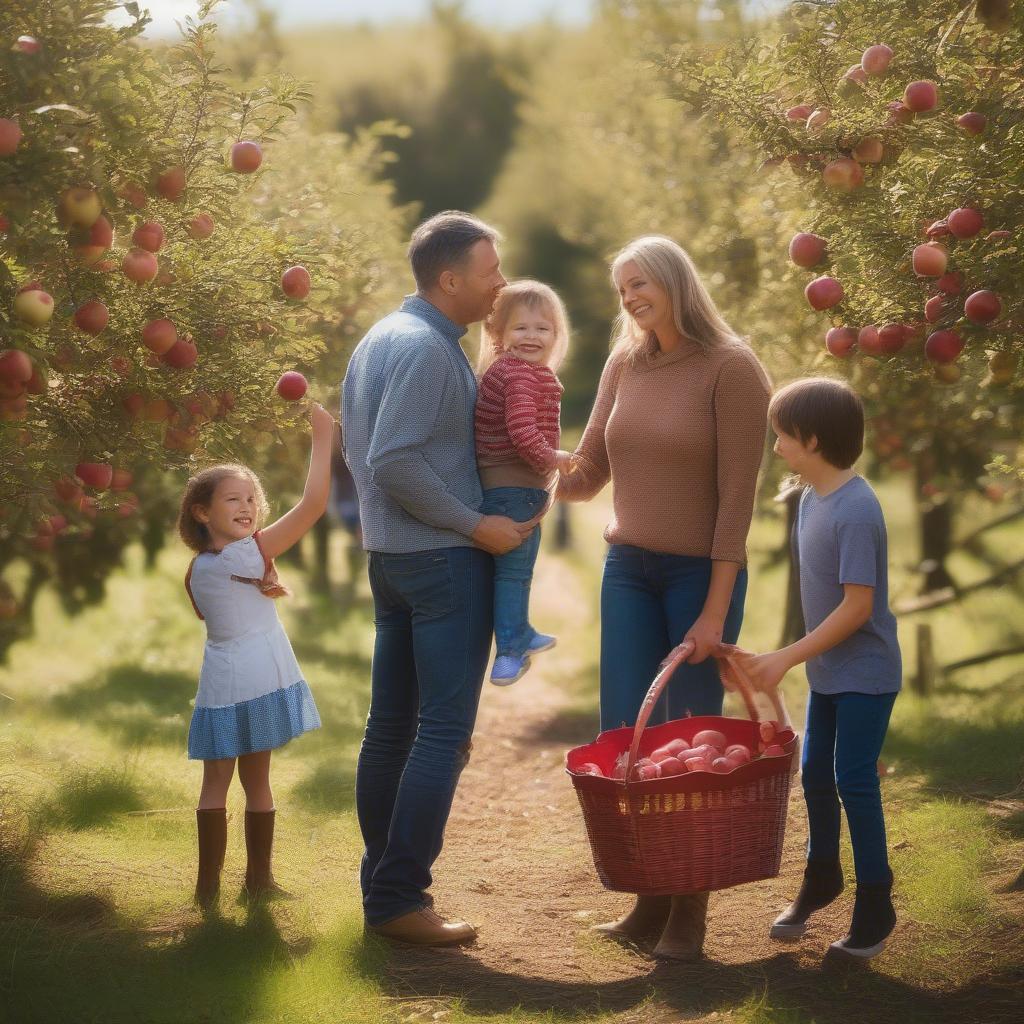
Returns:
<point x="524" y="394"/>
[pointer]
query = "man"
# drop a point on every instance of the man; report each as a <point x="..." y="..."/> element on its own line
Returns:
<point x="407" y="414"/>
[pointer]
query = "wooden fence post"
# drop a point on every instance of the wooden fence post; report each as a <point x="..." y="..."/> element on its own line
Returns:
<point x="924" y="681"/>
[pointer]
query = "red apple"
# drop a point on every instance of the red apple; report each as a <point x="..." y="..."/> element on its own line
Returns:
<point x="10" y="136"/>
<point x="800" y="112"/>
<point x="201" y="226"/>
<point x="90" y="244"/>
<point x="875" y="59"/>
<point x="818" y="119"/>
<point x="938" y="229"/>
<point x="982" y="307"/>
<point x="767" y="731"/>
<point x="943" y="346"/>
<point x="951" y="283"/>
<point x="133" y="194"/>
<point x="929" y="260"/>
<point x="140" y="266"/>
<point x="774" y="750"/>
<point x="171" y="183"/>
<point x="934" y="308"/>
<point x="159" y="336"/>
<point x="292" y="386"/>
<point x="840" y="341"/>
<point x="921" y="96"/>
<point x="182" y="355"/>
<point x="149" y="236"/>
<point x="96" y="475"/>
<point x="806" y="250"/>
<point x="697" y="764"/>
<point x="712" y="737"/>
<point x="26" y="44"/>
<point x="824" y="293"/>
<point x="15" y="371"/>
<point x="972" y="122"/>
<point x="246" y="157"/>
<point x="722" y="765"/>
<point x="843" y="174"/>
<point x="67" y="489"/>
<point x="296" y="282"/>
<point x="738" y="752"/>
<point x="857" y="74"/>
<point x="965" y="222"/>
<point x="671" y="766"/>
<point x="868" y="341"/>
<point x="891" y="338"/>
<point x="677" y="746"/>
<point x="660" y="754"/>
<point x="121" y="480"/>
<point x="869" y="150"/>
<point x="899" y="113"/>
<point x="91" y="317"/>
<point x="33" y="307"/>
<point x="79" y="206"/>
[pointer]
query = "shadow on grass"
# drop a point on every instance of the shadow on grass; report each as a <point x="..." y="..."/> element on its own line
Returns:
<point x="980" y="758"/>
<point x="70" y="957"/>
<point x="834" y="992"/>
<point x="571" y="727"/>
<point x="329" y="787"/>
<point x="140" y="705"/>
<point x="85" y="799"/>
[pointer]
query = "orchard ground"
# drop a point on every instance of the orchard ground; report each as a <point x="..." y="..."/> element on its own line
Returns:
<point x="96" y="872"/>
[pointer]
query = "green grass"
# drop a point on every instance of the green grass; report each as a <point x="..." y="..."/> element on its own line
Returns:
<point x="96" y="797"/>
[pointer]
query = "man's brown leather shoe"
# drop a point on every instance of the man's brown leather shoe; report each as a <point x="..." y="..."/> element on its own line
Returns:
<point x="424" y="928"/>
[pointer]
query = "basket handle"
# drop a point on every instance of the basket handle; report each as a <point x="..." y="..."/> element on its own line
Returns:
<point x="727" y="653"/>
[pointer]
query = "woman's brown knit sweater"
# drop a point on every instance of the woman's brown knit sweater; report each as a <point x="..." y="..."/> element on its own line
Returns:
<point x="681" y="435"/>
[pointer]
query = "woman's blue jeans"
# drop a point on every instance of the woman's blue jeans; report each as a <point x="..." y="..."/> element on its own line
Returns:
<point x="844" y="737"/>
<point x="433" y="613"/>
<point x="648" y="602"/>
<point x="513" y="572"/>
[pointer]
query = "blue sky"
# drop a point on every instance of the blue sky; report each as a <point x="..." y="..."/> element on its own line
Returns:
<point x="499" y="13"/>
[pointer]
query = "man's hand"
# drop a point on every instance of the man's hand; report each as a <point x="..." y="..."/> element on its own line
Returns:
<point x="498" y="535"/>
<point x="705" y="635"/>
<point x="766" y="670"/>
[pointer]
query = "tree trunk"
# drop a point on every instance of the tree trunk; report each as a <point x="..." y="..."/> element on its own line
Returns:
<point x="935" y="530"/>
<point x="793" y="626"/>
<point x="320" y="578"/>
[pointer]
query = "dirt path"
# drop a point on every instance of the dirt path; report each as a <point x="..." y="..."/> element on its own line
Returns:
<point x="517" y="864"/>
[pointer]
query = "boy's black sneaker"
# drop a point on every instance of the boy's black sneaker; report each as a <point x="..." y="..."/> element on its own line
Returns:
<point x="823" y="882"/>
<point x="873" y="921"/>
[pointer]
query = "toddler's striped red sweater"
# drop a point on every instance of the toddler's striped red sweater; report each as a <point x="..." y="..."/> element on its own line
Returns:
<point x="517" y="426"/>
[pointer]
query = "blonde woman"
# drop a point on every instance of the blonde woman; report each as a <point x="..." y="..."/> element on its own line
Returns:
<point x="522" y="344"/>
<point x="678" y="427"/>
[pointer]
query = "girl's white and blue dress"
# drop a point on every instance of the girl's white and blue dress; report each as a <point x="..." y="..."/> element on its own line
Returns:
<point x="251" y="692"/>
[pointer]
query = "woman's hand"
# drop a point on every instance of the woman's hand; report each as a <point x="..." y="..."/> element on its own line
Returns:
<point x="766" y="671"/>
<point x="705" y="635"/>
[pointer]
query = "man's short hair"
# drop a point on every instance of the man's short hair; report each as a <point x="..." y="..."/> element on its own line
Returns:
<point x="443" y="243"/>
<point x="826" y="409"/>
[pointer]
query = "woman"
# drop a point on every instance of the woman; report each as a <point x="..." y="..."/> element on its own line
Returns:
<point x="678" y="427"/>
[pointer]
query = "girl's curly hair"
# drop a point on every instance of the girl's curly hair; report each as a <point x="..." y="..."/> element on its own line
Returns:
<point x="200" y="490"/>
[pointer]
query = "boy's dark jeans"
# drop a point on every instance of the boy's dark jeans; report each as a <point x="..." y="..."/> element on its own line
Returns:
<point x="433" y="613"/>
<point x="513" y="572"/>
<point x="844" y="737"/>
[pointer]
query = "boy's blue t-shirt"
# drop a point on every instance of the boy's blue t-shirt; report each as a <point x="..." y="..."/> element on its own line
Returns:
<point x="841" y="539"/>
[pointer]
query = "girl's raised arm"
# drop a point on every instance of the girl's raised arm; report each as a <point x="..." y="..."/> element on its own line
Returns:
<point x="278" y="537"/>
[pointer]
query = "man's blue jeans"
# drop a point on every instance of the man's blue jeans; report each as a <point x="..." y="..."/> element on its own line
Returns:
<point x="433" y="614"/>
<point x="513" y="572"/>
<point x="844" y="737"/>
<point x="648" y="602"/>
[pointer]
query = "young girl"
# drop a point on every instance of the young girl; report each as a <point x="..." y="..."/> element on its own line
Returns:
<point x="252" y="697"/>
<point x="523" y="342"/>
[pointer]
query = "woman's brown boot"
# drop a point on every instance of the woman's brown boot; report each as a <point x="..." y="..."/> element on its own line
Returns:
<point x="645" y="921"/>
<point x="212" y="828"/>
<point x="683" y="936"/>
<point x="259" y="842"/>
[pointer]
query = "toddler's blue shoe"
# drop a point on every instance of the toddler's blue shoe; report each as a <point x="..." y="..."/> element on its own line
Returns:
<point x="508" y="668"/>
<point x="541" y="642"/>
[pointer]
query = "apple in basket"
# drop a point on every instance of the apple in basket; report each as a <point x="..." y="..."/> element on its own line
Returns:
<point x="646" y="769"/>
<point x="721" y="765"/>
<point x="774" y="750"/>
<point x="705" y="750"/>
<point x="619" y="771"/>
<point x="671" y="766"/>
<point x="738" y="752"/>
<point x="712" y="737"/>
<point x="590" y="769"/>
<point x="698" y="764"/>
<point x="767" y="730"/>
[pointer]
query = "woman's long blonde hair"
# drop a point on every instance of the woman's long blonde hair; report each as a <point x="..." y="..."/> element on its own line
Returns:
<point x="535" y="296"/>
<point x="695" y="314"/>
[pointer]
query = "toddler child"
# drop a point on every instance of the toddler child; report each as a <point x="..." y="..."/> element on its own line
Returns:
<point x="852" y="655"/>
<point x="252" y="697"/>
<point x="523" y="342"/>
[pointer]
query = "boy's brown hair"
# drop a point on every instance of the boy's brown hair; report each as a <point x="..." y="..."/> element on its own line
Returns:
<point x="825" y="409"/>
<point x="199" y="491"/>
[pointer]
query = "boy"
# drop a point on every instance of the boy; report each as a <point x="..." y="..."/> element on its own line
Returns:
<point x="852" y="654"/>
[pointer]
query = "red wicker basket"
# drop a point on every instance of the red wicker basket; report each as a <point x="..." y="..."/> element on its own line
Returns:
<point x="692" y="832"/>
